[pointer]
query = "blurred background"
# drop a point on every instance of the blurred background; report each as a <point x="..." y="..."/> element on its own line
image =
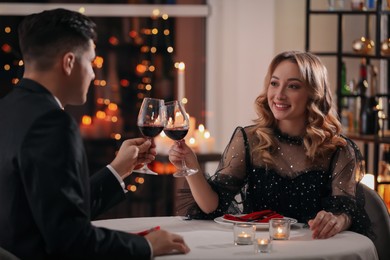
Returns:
<point x="226" y="46"/>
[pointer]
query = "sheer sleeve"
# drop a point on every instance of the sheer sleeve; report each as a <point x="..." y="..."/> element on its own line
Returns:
<point x="228" y="180"/>
<point x="347" y="170"/>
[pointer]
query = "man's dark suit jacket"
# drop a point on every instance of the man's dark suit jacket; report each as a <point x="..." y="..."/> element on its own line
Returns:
<point x="47" y="199"/>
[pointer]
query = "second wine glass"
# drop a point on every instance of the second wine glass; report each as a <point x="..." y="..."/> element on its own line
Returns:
<point x="150" y="122"/>
<point x="176" y="127"/>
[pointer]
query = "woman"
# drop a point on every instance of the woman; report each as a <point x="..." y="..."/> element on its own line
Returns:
<point x="293" y="160"/>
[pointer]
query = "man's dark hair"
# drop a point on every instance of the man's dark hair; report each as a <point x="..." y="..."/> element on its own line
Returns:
<point x="45" y="35"/>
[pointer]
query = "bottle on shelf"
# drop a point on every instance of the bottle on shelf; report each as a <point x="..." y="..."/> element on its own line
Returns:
<point x="345" y="88"/>
<point x="336" y="5"/>
<point x="369" y="112"/>
<point x="370" y="4"/>
<point x="358" y="5"/>
<point x="347" y="116"/>
<point x="362" y="85"/>
<point x="355" y="107"/>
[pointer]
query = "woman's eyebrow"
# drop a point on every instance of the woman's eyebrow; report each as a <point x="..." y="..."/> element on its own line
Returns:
<point x="290" y="79"/>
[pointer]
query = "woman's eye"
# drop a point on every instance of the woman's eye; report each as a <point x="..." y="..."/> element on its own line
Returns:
<point x="273" y="83"/>
<point x="293" y="86"/>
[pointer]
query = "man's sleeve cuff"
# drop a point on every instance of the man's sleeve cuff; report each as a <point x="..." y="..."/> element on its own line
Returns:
<point x="118" y="177"/>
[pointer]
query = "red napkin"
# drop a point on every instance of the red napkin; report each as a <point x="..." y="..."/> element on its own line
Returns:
<point x="262" y="216"/>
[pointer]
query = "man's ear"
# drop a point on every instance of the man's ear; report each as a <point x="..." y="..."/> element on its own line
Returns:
<point x="68" y="61"/>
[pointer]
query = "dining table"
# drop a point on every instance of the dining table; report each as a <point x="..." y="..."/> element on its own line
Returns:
<point x="213" y="239"/>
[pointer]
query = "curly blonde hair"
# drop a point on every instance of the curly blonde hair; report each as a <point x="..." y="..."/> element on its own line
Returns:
<point x="323" y="127"/>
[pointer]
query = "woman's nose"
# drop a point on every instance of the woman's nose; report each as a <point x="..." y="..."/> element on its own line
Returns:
<point x="280" y="95"/>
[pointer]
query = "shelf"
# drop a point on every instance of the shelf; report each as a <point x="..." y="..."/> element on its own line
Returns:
<point x="345" y="12"/>
<point x="360" y="95"/>
<point x="369" y="138"/>
<point x="352" y="55"/>
<point x="339" y="54"/>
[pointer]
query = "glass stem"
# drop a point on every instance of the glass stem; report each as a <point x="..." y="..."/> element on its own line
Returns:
<point x="183" y="164"/>
<point x="183" y="161"/>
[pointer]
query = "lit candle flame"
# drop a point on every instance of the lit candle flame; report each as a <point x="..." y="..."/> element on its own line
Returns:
<point x="181" y="66"/>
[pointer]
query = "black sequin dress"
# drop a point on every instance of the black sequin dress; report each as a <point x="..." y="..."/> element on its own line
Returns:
<point x="296" y="187"/>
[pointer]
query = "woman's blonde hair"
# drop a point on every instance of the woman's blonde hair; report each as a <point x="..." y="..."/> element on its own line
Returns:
<point x="323" y="126"/>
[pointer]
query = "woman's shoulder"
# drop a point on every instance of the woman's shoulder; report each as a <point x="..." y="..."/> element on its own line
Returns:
<point x="246" y="134"/>
<point x="350" y="149"/>
<point x="246" y="131"/>
<point x="248" y="128"/>
<point x="349" y="143"/>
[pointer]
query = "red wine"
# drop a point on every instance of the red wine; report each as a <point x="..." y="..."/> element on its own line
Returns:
<point x="176" y="133"/>
<point x="151" y="131"/>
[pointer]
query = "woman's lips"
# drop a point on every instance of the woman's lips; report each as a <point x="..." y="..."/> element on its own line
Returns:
<point x="281" y="106"/>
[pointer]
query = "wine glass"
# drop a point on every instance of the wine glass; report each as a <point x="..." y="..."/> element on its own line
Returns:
<point x="150" y="122"/>
<point x="176" y="127"/>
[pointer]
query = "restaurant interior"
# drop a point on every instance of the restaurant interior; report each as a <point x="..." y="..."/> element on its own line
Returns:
<point x="210" y="54"/>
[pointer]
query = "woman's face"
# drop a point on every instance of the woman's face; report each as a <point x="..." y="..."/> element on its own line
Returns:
<point x="287" y="96"/>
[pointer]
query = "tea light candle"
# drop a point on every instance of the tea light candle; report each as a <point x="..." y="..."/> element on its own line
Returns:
<point x="280" y="233"/>
<point x="244" y="239"/>
<point x="279" y="229"/>
<point x="263" y="245"/>
<point x="244" y="234"/>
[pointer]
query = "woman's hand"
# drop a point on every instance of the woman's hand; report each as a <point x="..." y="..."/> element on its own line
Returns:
<point x="204" y="195"/>
<point x="326" y="225"/>
<point x="180" y="150"/>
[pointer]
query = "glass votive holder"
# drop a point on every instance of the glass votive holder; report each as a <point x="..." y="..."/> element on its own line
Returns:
<point x="279" y="228"/>
<point x="244" y="234"/>
<point x="262" y="245"/>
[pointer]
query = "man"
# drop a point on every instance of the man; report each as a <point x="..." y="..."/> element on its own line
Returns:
<point x="47" y="199"/>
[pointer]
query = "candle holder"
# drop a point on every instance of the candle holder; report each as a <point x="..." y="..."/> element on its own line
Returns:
<point x="244" y="234"/>
<point x="279" y="229"/>
<point x="262" y="245"/>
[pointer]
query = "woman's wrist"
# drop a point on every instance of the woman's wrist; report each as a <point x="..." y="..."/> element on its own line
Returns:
<point x="346" y="220"/>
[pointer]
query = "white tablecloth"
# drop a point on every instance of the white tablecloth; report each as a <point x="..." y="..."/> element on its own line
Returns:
<point x="210" y="240"/>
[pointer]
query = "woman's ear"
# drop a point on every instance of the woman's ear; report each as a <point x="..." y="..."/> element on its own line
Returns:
<point x="68" y="61"/>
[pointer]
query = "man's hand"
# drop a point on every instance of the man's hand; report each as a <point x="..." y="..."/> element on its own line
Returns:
<point x="164" y="242"/>
<point x="132" y="154"/>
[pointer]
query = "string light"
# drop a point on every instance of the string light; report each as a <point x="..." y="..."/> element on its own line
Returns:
<point x="6" y="48"/>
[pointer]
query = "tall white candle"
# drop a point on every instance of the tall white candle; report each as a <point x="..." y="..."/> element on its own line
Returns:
<point x="181" y="81"/>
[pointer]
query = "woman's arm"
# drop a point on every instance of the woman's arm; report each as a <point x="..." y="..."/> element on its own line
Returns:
<point x="217" y="192"/>
<point x="343" y="210"/>
<point x="204" y="195"/>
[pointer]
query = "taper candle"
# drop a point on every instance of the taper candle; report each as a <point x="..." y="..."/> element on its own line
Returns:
<point x="181" y="81"/>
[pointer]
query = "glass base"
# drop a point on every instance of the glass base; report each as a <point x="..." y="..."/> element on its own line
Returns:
<point x="185" y="172"/>
<point x="145" y="170"/>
